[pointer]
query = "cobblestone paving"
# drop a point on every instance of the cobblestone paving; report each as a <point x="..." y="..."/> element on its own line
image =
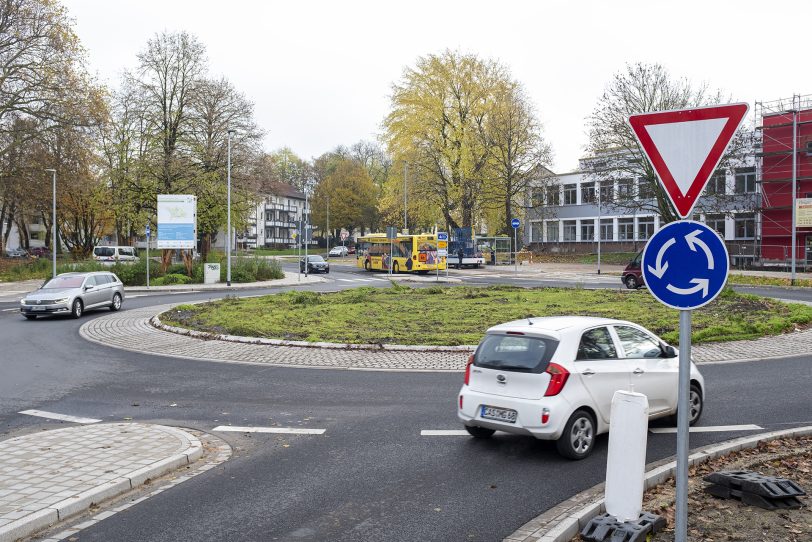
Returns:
<point x="48" y="471"/>
<point x="131" y="330"/>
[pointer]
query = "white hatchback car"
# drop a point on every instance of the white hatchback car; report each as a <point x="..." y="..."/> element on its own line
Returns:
<point x="553" y="378"/>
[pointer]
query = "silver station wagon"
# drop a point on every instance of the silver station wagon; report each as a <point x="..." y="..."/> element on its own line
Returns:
<point x="74" y="293"/>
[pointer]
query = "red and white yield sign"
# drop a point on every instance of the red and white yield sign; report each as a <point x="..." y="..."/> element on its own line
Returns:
<point x="685" y="146"/>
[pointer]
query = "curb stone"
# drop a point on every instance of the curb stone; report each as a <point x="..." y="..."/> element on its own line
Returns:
<point x="565" y="520"/>
<point x="41" y="519"/>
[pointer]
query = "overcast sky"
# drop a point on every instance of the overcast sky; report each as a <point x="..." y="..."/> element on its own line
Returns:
<point x="320" y="72"/>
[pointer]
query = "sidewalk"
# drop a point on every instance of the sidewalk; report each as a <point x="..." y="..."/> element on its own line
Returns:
<point x="48" y="476"/>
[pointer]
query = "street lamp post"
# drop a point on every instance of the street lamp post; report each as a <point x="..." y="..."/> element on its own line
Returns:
<point x="228" y="220"/>
<point x="53" y="225"/>
<point x="405" y="201"/>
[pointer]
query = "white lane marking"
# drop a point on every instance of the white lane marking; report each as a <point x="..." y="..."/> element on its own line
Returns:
<point x="11" y="310"/>
<point x="443" y="432"/>
<point x="709" y="428"/>
<point x="57" y="416"/>
<point x="279" y="430"/>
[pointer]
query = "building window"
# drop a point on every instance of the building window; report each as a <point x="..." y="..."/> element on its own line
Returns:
<point x="745" y="180"/>
<point x="552" y="232"/>
<point x="535" y="232"/>
<point x="607" y="189"/>
<point x="607" y="229"/>
<point x="625" y="229"/>
<point x="587" y="193"/>
<point x="570" y="229"/>
<point x="553" y="195"/>
<point x="587" y="230"/>
<point x="716" y="184"/>
<point x="717" y="222"/>
<point x="645" y="188"/>
<point x="645" y="227"/>
<point x="745" y="226"/>
<point x="570" y="194"/>
<point x="625" y="189"/>
<point x="537" y="197"/>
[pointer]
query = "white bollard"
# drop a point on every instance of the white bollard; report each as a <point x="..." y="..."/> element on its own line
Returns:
<point x="626" y="461"/>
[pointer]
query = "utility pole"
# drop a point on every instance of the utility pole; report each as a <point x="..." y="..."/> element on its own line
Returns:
<point x="795" y="108"/>
<point x="228" y="226"/>
<point x="328" y="224"/>
<point x="405" y="176"/>
<point x="306" y="229"/>
<point x="54" y="242"/>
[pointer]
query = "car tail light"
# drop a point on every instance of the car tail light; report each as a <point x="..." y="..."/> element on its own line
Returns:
<point x="545" y="415"/>
<point x="468" y="370"/>
<point x="558" y="377"/>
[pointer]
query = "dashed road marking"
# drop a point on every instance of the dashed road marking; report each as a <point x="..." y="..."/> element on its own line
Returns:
<point x="11" y="310"/>
<point x="278" y="430"/>
<point x="57" y="416"/>
<point x="443" y="433"/>
<point x="709" y="429"/>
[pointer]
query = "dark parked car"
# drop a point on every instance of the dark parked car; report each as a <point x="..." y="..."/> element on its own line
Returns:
<point x="633" y="274"/>
<point x="351" y="250"/>
<point x="315" y="264"/>
<point x="40" y="252"/>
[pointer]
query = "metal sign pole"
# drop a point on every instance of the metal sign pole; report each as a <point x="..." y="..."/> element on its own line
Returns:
<point x="148" y="235"/>
<point x="515" y="250"/>
<point x="681" y="516"/>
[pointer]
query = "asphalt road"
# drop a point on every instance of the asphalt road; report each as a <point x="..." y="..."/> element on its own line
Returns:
<point x="371" y="476"/>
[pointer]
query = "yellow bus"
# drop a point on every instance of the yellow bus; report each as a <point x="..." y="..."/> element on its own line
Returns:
<point x="409" y="253"/>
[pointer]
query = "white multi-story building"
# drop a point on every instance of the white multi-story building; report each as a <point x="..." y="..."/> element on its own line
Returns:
<point x="572" y="212"/>
<point x="276" y="218"/>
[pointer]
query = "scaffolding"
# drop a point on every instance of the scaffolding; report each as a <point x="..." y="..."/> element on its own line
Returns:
<point x="781" y="170"/>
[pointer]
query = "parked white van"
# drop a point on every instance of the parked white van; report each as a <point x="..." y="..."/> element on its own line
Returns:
<point x="115" y="254"/>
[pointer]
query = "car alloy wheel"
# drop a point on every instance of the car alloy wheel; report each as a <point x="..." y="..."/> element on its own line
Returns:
<point x="116" y="303"/>
<point x="578" y="438"/>
<point x="695" y="404"/>
<point x="631" y="282"/>
<point x="77" y="308"/>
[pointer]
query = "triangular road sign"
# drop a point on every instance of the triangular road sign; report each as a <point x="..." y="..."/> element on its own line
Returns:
<point x="685" y="146"/>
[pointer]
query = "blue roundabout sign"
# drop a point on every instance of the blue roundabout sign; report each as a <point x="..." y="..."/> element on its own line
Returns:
<point x="515" y="223"/>
<point x="685" y="265"/>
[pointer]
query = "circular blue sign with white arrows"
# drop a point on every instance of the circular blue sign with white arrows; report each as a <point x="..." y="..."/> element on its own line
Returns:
<point x="515" y="223"/>
<point x="685" y="265"/>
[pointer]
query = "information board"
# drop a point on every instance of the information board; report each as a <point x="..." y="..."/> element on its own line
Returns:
<point x="177" y="221"/>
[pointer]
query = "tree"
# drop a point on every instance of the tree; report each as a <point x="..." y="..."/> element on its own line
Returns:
<point x="518" y="153"/>
<point x="351" y="195"/>
<point x="283" y="166"/>
<point x="615" y="154"/>
<point x="439" y="112"/>
<point x="42" y="80"/>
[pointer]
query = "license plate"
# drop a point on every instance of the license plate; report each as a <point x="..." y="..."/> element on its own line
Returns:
<point x="38" y="308"/>
<point x="499" y="414"/>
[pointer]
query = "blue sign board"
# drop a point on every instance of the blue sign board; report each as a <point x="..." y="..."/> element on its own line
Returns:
<point x="442" y="236"/>
<point x="685" y="265"/>
<point x="148" y="230"/>
<point x="515" y="223"/>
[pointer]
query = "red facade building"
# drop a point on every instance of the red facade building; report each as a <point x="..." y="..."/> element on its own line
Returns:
<point x="777" y="149"/>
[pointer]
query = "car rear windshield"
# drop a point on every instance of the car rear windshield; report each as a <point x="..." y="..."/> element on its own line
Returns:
<point x="103" y="251"/>
<point x="520" y="353"/>
<point x="65" y="282"/>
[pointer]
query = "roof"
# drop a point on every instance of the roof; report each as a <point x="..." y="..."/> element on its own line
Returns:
<point x="277" y="188"/>
<point x="555" y="324"/>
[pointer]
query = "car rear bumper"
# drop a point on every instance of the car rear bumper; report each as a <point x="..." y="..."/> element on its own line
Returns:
<point x="529" y="413"/>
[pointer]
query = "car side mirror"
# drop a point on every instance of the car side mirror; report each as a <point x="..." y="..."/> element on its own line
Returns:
<point x="669" y="351"/>
<point x="88" y="287"/>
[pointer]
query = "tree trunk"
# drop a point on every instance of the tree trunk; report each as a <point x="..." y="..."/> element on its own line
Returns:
<point x="166" y="259"/>
<point x="188" y="261"/>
